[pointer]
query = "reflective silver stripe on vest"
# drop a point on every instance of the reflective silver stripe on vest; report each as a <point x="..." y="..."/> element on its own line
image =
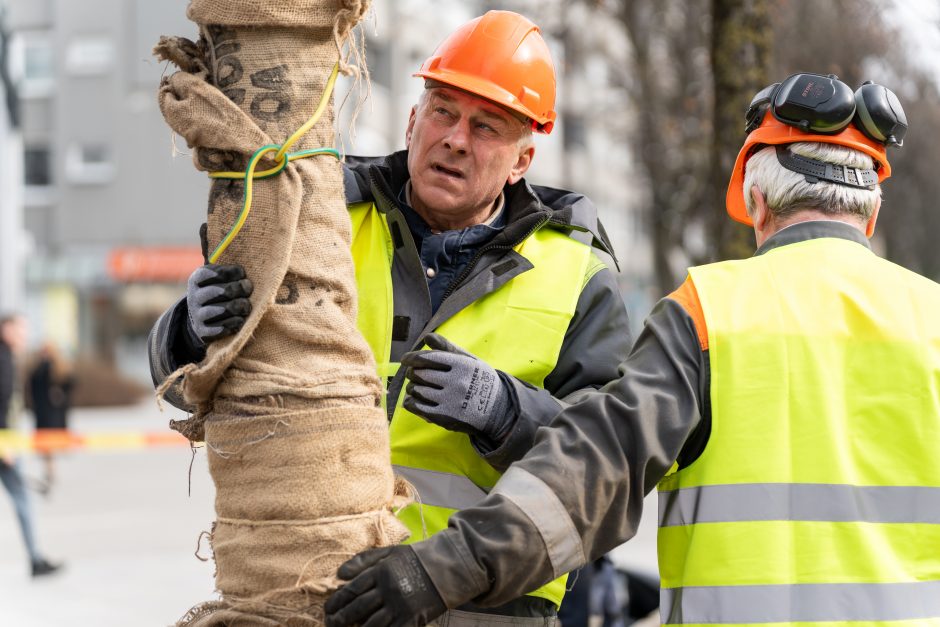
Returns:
<point x="442" y="489"/>
<point x="799" y="501"/>
<point x="801" y="602"/>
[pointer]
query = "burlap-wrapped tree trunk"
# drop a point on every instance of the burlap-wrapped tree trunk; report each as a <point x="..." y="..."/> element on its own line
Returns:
<point x="289" y="408"/>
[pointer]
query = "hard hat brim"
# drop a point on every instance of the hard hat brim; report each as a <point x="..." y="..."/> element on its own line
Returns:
<point x="490" y="91"/>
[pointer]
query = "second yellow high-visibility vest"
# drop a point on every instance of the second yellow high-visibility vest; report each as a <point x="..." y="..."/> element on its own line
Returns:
<point x="518" y="329"/>
<point x="816" y="500"/>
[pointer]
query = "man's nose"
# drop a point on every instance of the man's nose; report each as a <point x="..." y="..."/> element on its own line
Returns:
<point x="458" y="137"/>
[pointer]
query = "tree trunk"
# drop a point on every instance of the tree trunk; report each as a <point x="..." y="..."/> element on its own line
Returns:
<point x="289" y="407"/>
<point x="740" y="47"/>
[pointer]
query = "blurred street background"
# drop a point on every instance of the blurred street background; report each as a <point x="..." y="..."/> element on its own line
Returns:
<point x="122" y="522"/>
<point x="100" y="208"/>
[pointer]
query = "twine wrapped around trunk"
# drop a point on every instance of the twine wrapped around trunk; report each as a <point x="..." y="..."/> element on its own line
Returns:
<point x="289" y="407"/>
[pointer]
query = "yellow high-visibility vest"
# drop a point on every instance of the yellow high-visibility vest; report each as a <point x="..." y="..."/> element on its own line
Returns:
<point x="519" y="329"/>
<point x="817" y="498"/>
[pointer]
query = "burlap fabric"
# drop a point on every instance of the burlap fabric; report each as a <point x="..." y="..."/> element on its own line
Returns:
<point x="243" y="89"/>
<point x="297" y="493"/>
<point x="297" y="444"/>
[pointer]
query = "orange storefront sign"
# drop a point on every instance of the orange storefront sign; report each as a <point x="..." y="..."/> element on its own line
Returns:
<point x="167" y="263"/>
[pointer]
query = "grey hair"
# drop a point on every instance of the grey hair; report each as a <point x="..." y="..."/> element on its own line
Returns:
<point x="788" y="192"/>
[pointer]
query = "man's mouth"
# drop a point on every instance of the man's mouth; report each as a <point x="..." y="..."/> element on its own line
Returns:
<point x="457" y="174"/>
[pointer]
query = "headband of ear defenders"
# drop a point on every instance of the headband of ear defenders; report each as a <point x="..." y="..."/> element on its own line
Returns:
<point x="816" y="171"/>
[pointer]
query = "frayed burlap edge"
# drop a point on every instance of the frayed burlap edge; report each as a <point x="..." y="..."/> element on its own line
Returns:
<point x="274" y="608"/>
<point x="193" y="428"/>
<point x="341" y="16"/>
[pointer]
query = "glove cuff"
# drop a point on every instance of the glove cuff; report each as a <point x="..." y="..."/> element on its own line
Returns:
<point x="174" y="339"/>
<point x="192" y="340"/>
<point x="505" y="411"/>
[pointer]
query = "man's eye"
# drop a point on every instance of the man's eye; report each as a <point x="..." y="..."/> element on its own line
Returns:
<point x="486" y="127"/>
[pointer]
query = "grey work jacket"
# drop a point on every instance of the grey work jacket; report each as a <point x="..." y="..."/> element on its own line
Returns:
<point x="579" y="491"/>
<point x="597" y="339"/>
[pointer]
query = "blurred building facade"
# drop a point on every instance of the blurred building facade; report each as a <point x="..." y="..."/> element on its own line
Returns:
<point x="111" y="207"/>
<point x="110" y="213"/>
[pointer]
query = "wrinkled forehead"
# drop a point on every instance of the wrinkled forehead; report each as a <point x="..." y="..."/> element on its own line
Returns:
<point x="451" y="93"/>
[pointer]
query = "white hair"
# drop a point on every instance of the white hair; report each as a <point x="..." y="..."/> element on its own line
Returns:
<point x="788" y="192"/>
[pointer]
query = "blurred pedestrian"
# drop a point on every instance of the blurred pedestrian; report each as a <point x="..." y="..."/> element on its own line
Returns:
<point x="13" y="333"/>
<point x="604" y="595"/>
<point x="608" y="596"/>
<point x="49" y="386"/>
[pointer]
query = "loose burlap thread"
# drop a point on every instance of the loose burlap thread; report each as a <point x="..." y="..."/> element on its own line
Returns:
<point x="288" y="407"/>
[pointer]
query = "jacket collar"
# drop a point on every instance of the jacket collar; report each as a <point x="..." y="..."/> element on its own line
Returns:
<point x="814" y="229"/>
<point x="528" y="207"/>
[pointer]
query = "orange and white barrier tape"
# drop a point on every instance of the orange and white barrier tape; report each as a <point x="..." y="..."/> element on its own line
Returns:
<point x="50" y="440"/>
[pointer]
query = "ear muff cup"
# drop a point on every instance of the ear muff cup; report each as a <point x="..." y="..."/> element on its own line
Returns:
<point x="878" y="114"/>
<point x="814" y="103"/>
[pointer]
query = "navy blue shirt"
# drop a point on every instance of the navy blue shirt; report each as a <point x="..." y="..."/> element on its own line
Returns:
<point x="446" y="254"/>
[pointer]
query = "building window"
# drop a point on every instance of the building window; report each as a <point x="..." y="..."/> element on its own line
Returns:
<point x="90" y="56"/>
<point x="37" y="166"/>
<point x="34" y="58"/>
<point x="89" y="164"/>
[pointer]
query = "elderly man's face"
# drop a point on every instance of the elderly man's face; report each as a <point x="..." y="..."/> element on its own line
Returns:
<point x="462" y="150"/>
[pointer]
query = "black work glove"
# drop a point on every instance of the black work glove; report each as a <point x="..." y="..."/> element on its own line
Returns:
<point x="217" y="301"/>
<point x="387" y="587"/>
<point x="458" y="391"/>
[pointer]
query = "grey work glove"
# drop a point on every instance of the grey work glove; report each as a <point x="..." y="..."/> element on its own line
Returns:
<point x="389" y="588"/>
<point x="217" y="300"/>
<point x="457" y="391"/>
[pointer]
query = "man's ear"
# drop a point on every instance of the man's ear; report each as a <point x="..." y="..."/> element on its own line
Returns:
<point x="761" y="215"/>
<point x="411" y="125"/>
<point x="870" y="227"/>
<point x="760" y="212"/>
<point x="522" y="165"/>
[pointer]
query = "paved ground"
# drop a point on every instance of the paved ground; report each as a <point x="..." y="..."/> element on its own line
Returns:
<point x="125" y="527"/>
<point x="127" y="530"/>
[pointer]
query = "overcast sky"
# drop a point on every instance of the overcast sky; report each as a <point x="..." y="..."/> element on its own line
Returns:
<point x="920" y="23"/>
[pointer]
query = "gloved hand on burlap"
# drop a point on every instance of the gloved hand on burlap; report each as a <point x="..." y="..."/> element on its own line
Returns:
<point x="217" y="302"/>
<point x="457" y="391"/>
<point x="388" y="587"/>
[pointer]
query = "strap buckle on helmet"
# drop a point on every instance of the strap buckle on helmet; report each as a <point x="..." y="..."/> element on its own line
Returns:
<point x="816" y="171"/>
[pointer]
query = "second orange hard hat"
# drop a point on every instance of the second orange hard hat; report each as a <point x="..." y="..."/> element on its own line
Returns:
<point x="502" y="57"/>
<point x="773" y="132"/>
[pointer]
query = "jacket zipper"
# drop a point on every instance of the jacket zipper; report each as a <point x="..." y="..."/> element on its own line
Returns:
<point x="379" y="188"/>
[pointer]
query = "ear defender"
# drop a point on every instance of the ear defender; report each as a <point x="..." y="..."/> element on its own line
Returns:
<point x="814" y="103"/>
<point x="879" y="115"/>
<point x="819" y="108"/>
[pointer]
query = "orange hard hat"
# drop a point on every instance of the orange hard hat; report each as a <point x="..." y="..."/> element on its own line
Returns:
<point x="502" y="57"/>
<point x="772" y="132"/>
